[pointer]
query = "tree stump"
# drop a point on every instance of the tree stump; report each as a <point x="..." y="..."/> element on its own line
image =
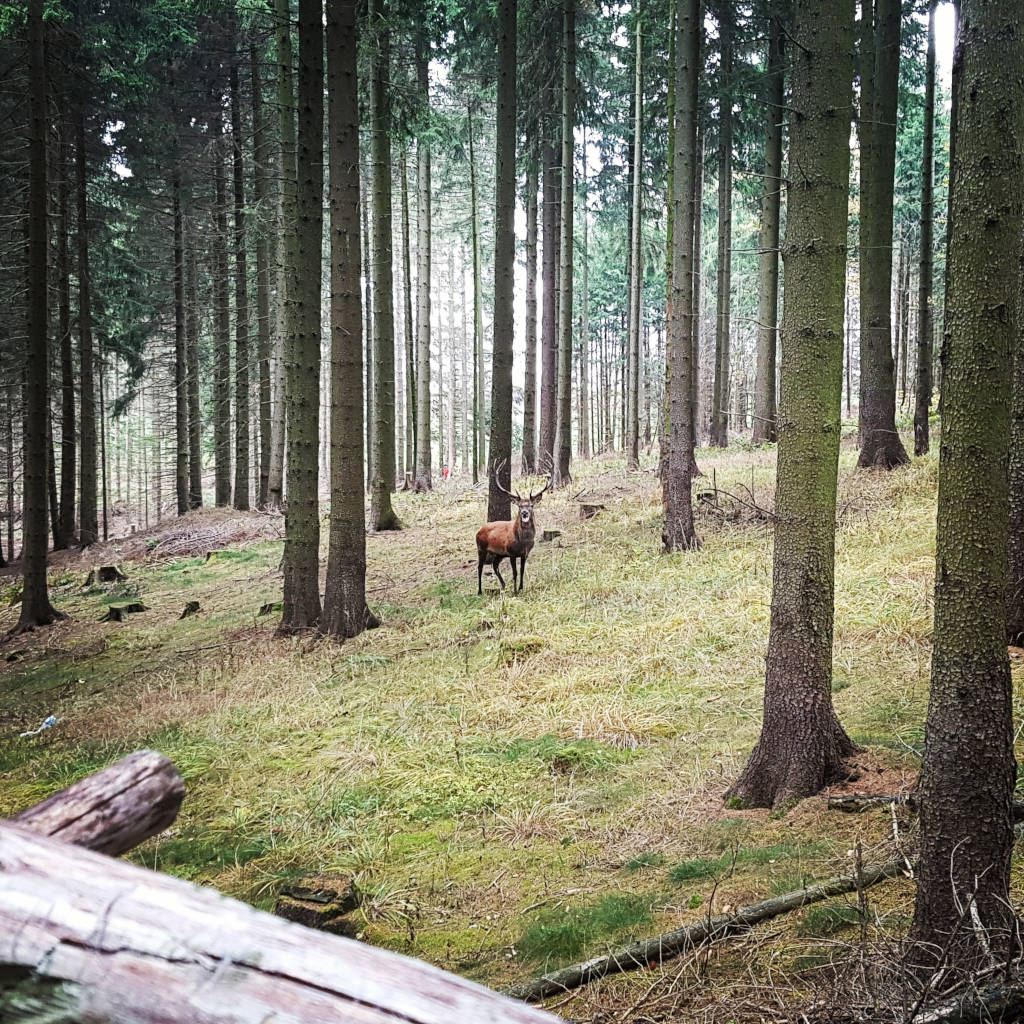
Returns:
<point x="191" y="608"/>
<point x="117" y="612"/>
<point x="109" y="574"/>
<point x="321" y="902"/>
<point x="549" y="535"/>
<point x="588" y="511"/>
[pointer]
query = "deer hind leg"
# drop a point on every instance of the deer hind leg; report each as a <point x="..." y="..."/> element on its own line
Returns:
<point x="481" y="557"/>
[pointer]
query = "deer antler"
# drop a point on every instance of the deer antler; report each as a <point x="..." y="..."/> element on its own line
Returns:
<point x="497" y="482"/>
<point x="546" y="487"/>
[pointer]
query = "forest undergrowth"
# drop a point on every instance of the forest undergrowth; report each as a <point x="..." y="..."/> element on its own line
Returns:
<point x="516" y="782"/>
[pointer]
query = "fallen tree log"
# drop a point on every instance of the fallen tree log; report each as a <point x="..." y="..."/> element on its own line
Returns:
<point x="994" y="1002"/>
<point x="650" y="952"/>
<point x="115" y="809"/>
<point x="84" y="937"/>
<point x="855" y="802"/>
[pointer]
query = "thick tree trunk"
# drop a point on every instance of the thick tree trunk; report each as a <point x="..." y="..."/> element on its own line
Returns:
<point x="241" y="303"/>
<point x="698" y="281"/>
<point x="423" y="481"/>
<point x="563" y="429"/>
<point x="260" y="155"/>
<point x="963" y="915"/>
<point x="802" y="744"/>
<point x="499" y="459"/>
<point x="195" y="426"/>
<point x="345" y="613"/>
<point x="221" y="331"/>
<point x="180" y="355"/>
<point x="720" y="400"/>
<point x="382" y="483"/>
<point x="88" y="525"/>
<point x="664" y="432"/>
<point x="408" y="328"/>
<point x="925" y="317"/>
<point x="36" y="609"/>
<point x="68" y="439"/>
<point x="551" y="231"/>
<point x="881" y="446"/>
<point x="768" y="259"/>
<point x="530" y="381"/>
<point x="636" y="269"/>
<point x="678" y="533"/>
<point x="301" y="561"/>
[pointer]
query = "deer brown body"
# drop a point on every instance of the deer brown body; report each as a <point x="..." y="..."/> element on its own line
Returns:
<point x="512" y="539"/>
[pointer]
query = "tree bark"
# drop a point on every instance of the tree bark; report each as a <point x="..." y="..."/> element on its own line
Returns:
<point x="68" y="439"/>
<point x="720" y="400"/>
<point x="768" y="258"/>
<point x="36" y="609"/>
<point x="678" y="533"/>
<point x="221" y="329"/>
<point x="479" y="419"/>
<point x="408" y="328"/>
<point x="636" y="270"/>
<point x="301" y="606"/>
<point x="584" y="343"/>
<point x="345" y="613"/>
<point x="551" y="230"/>
<point x="530" y="380"/>
<point x="181" y="435"/>
<point x="423" y="481"/>
<point x="925" y="315"/>
<point x="382" y="515"/>
<point x="241" y="490"/>
<point x="563" y="429"/>
<point x="881" y="446"/>
<point x="195" y="436"/>
<point x="802" y="745"/>
<point x="968" y="771"/>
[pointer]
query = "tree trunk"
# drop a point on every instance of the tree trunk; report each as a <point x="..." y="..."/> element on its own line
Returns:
<point x="678" y="533"/>
<point x="530" y="384"/>
<point x="345" y="613"/>
<point x="454" y="390"/>
<point x="923" y="383"/>
<point x="904" y="323"/>
<point x="968" y="771"/>
<point x="423" y="480"/>
<point x="479" y="420"/>
<point x="180" y="355"/>
<point x="636" y="270"/>
<point x="584" y="375"/>
<point x="698" y="279"/>
<point x="551" y="230"/>
<point x="663" y="433"/>
<point x="499" y="460"/>
<point x="881" y="446"/>
<point x="241" y="303"/>
<point x="720" y="400"/>
<point x="768" y="259"/>
<point x="382" y="515"/>
<point x="802" y="744"/>
<point x="88" y="526"/>
<point x="407" y="325"/>
<point x="68" y="440"/>
<point x="301" y="606"/>
<point x="563" y="430"/>
<point x="221" y="331"/>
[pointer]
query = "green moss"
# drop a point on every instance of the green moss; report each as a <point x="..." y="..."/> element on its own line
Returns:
<point x="710" y="867"/>
<point x="645" y="860"/>
<point x="563" y="755"/>
<point x="823" y="921"/>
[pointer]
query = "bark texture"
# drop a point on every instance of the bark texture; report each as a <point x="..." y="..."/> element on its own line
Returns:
<point x="551" y="231"/>
<point x="180" y="355"/>
<point x="422" y="480"/>
<point x="88" y="521"/>
<point x="241" y="491"/>
<point x="968" y="771"/>
<point x="802" y="745"/>
<point x="636" y="269"/>
<point x="530" y="380"/>
<point x="221" y="332"/>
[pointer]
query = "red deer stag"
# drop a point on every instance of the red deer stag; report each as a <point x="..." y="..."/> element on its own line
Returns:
<point x="511" y="539"/>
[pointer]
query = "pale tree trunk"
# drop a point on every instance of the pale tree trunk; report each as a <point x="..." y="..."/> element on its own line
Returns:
<point x="408" y="327"/>
<point x="968" y="771"/>
<point x="563" y="431"/>
<point x="881" y="446"/>
<point x="453" y="393"/>
<point x="479" y="419"/>
<point x="584" y="377"/>
<point x="678" y="533"/>
<point x="465" y="360"/>
<point x="499" y="462"/>
<point x="423" y="481"/>
<point x="698" y="278"/>
<point x="802" y="745"/>
<point x="768" y="258"/>
<point x="720" y="399"/>
<point x="88" y="525"/>
<point x="382" y="483"/>
<point x="636" y="271"/>
<point x="551" y="230"/>
<point x="301" y="606"/>
<point x="241" y="490"/>
<point x="530" y="380"/>
<point x="345" y="613"/>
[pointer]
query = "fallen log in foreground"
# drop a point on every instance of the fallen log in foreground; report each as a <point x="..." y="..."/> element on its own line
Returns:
<point x="115" y="809"/>
<point x="84" y="937"/>
<point x="994" y="1002"/>
<point x="650" y="952"/>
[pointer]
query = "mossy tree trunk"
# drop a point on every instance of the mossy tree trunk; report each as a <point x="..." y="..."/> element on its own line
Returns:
<point x="768" y="258"/>
<point x="382" y="482"/>
<point x="719" y="437"/>
<point x="423" y="480"/>
<point x="880" y="442"/>
<point x="530" y="379"/>
<point x="802" y="745"/>
<point x="499" y="459"/>
<point x="344" y="613"/>
<point x="301" y="606"/>
<point x="925" y="318"/>
<point x="678" y="533"/>
<point x="968" y="771"/>
<point x="563" y="429"/>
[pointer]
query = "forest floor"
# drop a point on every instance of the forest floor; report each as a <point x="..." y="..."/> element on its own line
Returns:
<point x="517" y="782"/>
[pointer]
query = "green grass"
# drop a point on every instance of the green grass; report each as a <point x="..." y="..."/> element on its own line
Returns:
<point x="711" y="867"/>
